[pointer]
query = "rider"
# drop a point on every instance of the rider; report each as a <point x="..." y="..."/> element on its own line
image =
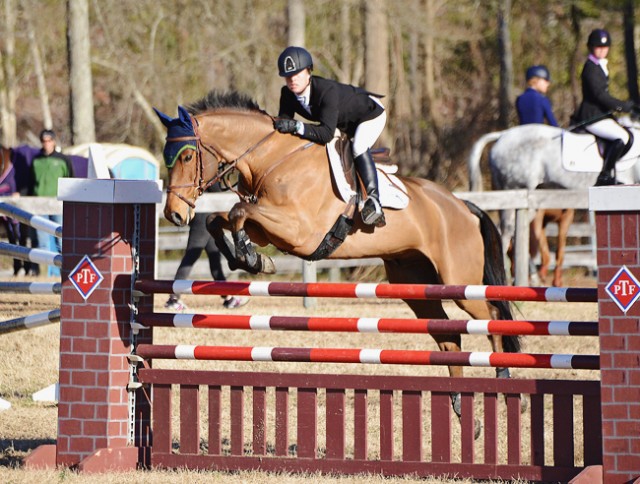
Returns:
<point x="351" y="109"/>
<point x="598" y="104"/>
<point x="532" y="105"/>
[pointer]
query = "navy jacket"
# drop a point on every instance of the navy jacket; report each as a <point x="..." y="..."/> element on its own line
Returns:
<point x="596" y="99"/>
<point x="534" y="107"/>
<point x="333" y="105"/>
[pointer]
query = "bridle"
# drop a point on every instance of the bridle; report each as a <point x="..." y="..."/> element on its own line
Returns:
<point x="199" y="182"/>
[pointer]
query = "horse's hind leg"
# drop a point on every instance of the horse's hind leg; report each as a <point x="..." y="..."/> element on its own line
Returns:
<point x="418" y="272"/>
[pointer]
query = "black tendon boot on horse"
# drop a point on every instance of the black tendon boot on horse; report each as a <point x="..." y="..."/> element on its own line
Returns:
<point x="613" y="153"/>
<point x="372" y="210"/>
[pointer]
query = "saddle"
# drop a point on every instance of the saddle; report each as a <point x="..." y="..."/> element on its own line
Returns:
<point x="343" y="148"/>
<point x="582" y="151"/>
<point x="393" y="193"/>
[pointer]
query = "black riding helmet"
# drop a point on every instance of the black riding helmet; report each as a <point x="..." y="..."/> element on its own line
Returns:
<point x="538" y="71"/>
<point x="293" y="60"/>
<point x="599" y="38"/>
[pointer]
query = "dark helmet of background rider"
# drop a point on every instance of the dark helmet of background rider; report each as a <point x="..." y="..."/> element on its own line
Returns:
<point x="599" y="38"/>
<point x="293" y="60"/>
<point x="538" y="71"/>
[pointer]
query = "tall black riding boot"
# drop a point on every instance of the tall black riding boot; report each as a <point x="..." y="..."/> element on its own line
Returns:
<point x="612" y="154"/>
<point x="372" y="210"/>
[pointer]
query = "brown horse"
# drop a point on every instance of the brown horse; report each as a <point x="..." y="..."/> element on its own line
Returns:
<point x="538" y="240"/>
<point x="287" y="199"/>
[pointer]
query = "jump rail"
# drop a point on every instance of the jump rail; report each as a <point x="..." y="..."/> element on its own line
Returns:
<point x="38" y="256"/>
<point x="35" y="221"/>
<point x="31" y="321"/>
<point x="369" y="291"/>
<point x="367" y="325"/>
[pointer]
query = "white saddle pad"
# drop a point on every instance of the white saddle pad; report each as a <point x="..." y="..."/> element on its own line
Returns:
<point x="580" y="153"/>
<point x="393" y="193"/>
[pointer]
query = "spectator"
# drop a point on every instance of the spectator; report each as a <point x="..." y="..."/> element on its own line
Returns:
<point x="533" y="105"/>
<point x="8" y="189"/>
<point x="47" y="167"/>
<point x="199" y="239"/>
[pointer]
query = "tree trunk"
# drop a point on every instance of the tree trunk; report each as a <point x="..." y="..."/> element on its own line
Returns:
<point x="296" y="22"/>
<point x="630" y="51"/>
<point x="506" y="62"/>
<point x="8" y="78"/>
<point x="47" y="120"/>
<point x="80" y="82"/>
<point x="376" y="50"/>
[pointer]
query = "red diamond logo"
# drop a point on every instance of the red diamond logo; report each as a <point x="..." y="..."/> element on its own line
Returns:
<point x="86" y="277"/>
<point x="624" y="289"/>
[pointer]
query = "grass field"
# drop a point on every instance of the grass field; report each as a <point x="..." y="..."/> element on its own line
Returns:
<point x="29" y="362"/>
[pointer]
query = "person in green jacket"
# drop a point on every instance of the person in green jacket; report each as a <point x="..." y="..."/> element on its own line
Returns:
<point x="46" y="168"/>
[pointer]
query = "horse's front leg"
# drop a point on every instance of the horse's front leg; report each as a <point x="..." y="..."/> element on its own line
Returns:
<point x="241" y="253"/>
<point x="216" y="224"/>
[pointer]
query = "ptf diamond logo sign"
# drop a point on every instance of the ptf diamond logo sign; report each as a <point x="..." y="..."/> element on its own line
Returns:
<point x="86" y="277"/>
<point x="624" y="289"/>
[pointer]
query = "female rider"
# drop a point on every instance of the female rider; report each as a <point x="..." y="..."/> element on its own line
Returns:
<point x="332" y="105"/>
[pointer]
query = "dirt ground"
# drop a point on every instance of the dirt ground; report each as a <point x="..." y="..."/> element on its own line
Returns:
<point x="29" y="362"/>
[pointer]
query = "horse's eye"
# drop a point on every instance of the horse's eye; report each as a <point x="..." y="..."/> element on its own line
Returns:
<point x="188" y="158"/>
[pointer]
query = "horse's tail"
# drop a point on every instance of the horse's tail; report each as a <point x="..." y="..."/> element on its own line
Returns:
<point x="494" y="272"/>
<point x="475" y="177"/>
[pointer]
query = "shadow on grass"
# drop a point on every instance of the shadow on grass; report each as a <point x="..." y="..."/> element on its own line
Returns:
<point x="13" y="451"/>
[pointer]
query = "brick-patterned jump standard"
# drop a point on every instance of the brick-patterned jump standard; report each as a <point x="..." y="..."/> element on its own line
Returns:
<point x="617" y="211"/>
<point x="93" y="409"/>
<point x="92" y="421"/>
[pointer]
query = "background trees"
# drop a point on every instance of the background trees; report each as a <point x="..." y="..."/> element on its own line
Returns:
<point x="444" y="65"/>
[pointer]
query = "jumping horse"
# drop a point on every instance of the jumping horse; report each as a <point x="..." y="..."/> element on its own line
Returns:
<point x="287" y="199"/>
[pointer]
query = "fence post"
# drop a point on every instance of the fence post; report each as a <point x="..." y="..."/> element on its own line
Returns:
<point x="617" y="213"/>
<point x="107" y="226"/>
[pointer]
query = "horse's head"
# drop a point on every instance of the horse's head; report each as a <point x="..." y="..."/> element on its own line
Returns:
<point x="218" y="135"/>
<point x="183" y="159"/>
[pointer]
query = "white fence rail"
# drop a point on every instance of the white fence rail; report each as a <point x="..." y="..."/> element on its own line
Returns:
<point x="523" y="201"/>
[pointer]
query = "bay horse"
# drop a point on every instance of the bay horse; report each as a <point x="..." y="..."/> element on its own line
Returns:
<point x="531" y="156"/>
<point x="287" y="199"/>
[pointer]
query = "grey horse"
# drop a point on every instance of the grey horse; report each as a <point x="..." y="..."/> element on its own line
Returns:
<point x="531" y="156"/>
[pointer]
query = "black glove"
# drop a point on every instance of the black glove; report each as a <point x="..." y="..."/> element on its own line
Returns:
<point x="285" y="125"/>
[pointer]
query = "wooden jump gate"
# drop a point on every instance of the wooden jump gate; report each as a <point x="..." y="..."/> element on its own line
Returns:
<point x="246" y="444"/>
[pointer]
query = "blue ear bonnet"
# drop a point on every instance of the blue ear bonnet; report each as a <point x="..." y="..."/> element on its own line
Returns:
<point x="177" y="128"/>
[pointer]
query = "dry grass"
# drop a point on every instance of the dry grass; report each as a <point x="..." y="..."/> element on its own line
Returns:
<point x="29" y="361"/>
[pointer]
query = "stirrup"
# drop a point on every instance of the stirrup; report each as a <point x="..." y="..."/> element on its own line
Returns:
<point x="605" y="180"/>
<point x="372" y="213"/>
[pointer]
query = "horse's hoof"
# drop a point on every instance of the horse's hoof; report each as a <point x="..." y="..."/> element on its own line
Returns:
<point x="503" y="373"/>
<point x="266" y="265"/>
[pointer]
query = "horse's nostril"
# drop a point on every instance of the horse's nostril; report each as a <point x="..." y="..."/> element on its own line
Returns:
<point x="175" y="219"/>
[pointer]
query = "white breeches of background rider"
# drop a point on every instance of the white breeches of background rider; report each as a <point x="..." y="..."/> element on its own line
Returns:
<point x="367" y="133"/>
<point x="608" y="129"/>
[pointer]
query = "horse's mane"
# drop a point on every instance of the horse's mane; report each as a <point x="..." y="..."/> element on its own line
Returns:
<point x="217" y="99"/>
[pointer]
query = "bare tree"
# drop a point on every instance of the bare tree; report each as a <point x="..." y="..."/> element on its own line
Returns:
<point x="506" y="62"/>
<point x="296" y="22"/>
<point x="80" y="81"/>
<point x="630" y="51"/>
<point x="376" y="49"/>
<point x="47" y="120"/>
<point x="8" y="77"/>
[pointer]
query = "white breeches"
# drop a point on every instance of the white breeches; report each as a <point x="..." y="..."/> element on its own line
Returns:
<point x="608" y="129"/>
<point x="367" y="133"/>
